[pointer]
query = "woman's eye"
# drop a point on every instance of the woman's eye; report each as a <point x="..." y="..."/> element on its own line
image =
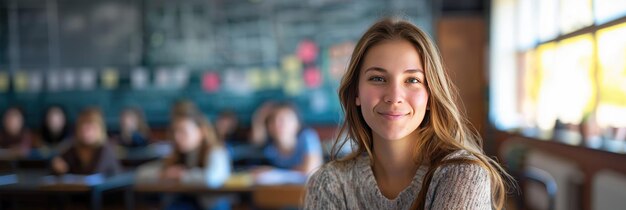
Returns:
<point x="376" y="79"/>
<point x="413" y="80"/>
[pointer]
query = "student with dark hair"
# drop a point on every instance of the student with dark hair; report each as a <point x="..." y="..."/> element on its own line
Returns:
<point x="227" y="128"/>
<point x="134" y="131"/>
<point x="55" y="130"/>
<point x="15" y="138"/>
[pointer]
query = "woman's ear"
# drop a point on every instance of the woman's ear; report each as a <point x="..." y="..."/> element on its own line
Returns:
<point x="358" y="101"/>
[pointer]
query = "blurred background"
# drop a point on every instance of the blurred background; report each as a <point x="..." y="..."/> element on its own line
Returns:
<point x="544" y="82"/>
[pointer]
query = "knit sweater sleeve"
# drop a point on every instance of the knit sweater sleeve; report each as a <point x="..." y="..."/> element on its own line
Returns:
<point x="459" y="186"/>
<point x="323" y="190"/>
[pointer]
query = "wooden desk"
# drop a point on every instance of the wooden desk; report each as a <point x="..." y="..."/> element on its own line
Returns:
<point x="37" y="158"/>
<point x="175" y="187"/>
<point x="133" y="157"/>
<point x="280" y="196"/>
<point x="263" y="196"/>
<point x="38" y="181"/>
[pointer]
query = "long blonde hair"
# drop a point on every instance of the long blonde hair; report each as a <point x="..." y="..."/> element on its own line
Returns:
<point x="445" y="127"/>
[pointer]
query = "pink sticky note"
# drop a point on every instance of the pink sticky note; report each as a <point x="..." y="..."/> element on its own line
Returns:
<point x="312" y="77"/>
<point x="307" y="51"/>
<point x="210" y="82"/>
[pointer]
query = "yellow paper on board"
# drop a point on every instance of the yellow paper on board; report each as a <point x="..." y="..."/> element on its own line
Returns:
<point x="255" y="78"/>
<point x="20" y="81"/>
<point x="110" y="78"/>
<point x="293" y="86"/>
<point x="273" y="78"/>
<point x="4" y="82"/>
<point x="291" y="65"/>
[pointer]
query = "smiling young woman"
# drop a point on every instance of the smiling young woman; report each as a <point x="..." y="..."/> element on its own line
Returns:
<point x="414" y="148"/>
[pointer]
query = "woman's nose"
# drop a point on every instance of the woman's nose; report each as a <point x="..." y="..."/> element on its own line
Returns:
<point x="393" y="94"/>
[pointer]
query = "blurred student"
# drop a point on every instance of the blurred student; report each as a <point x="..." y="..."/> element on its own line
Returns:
<point x="198" y="159"/>
<point x="292" y="147"/>
<point x="90" y="153"/>
<point x="242" y="151"/>
<point x="198" y="156"/>
<point x="183" y="107"/>
<point x="134" y="131"/>
<point x="15" y="139"/>
<point x="258" y="133"/>
<point x="55" y="130"/>
<point x="227" y="128"/>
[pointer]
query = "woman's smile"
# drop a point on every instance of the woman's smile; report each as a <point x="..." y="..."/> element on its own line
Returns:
<point x="393" y="115"/>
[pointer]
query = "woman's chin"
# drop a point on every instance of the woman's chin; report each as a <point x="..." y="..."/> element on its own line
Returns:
<point x="392" y="136"/>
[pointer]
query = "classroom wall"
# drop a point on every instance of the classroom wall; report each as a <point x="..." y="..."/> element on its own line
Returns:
<point x="462" y="40"/>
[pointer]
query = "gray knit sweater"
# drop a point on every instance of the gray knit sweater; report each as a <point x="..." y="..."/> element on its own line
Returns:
<point x="351" y="185"/>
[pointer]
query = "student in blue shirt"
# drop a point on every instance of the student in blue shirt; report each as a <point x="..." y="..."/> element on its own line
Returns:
<point x="134" y="131"/>
<point x="291" y="146"/>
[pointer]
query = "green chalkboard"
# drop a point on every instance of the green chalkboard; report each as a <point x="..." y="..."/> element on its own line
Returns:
<point x="241" y="42"/>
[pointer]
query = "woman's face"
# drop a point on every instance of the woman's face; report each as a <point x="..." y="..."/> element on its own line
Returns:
<point x="392" y="91"/>
<point x="13" y="121"/>
<point x="89" y="133"/>
<point x="187" y="135"/>
<point x="55" y="119"/>
<point x="283" y="126"/>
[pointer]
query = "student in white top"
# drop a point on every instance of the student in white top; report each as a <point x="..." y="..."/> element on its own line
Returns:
<point x="198" y="158"/>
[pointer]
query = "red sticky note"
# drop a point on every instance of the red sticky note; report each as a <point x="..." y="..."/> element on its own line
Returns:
<point x="211" y="82"/>
<point x="307" y="51"/>
<point x="312" y="77"/>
